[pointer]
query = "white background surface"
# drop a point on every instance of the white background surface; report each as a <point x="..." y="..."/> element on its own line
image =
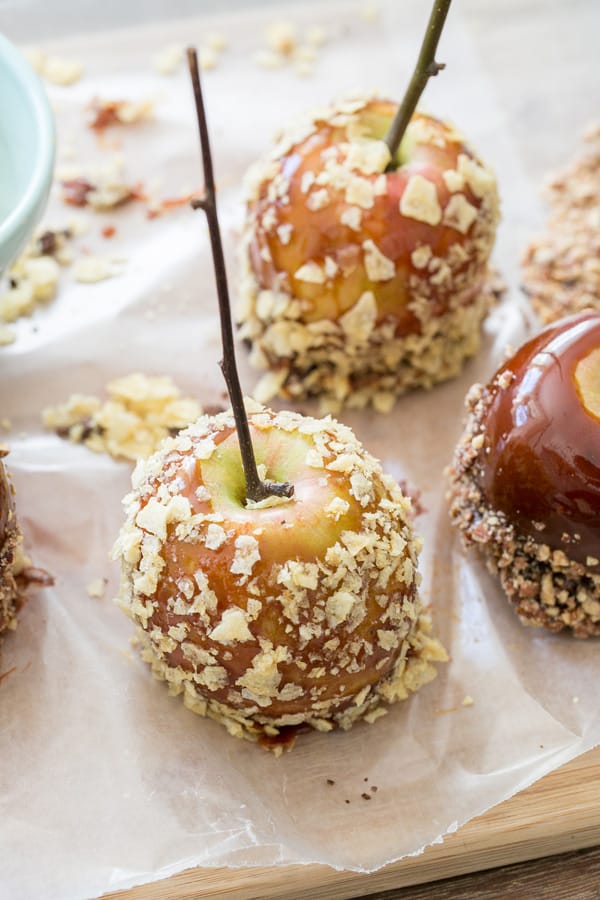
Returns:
<point x="106" y="781"/>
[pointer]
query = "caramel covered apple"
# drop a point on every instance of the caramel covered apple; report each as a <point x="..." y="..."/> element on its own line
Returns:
<point x="293" y="611"/>
<point x="269" y="563"/>
<point x="561" y="269"/>
<point x="11" y="598"/>
<point x="525" y="483"/>
<point x="366" y="244"/>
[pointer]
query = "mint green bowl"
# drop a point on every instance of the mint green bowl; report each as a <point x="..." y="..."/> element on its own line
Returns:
<point x="26" y="151"/>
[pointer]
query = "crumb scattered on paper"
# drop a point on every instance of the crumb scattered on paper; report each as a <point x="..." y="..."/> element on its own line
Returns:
<point x="267" y="59"/>
<point x="217" y="41"/>
<point x="207" y="58"/>
<point x="106" y="113"/>
<point x="316" y="36"/>
<point x="96" y="589"/>
<point x="168" y="59"/>
<point x="141" y="411"/>
<point x="285" y="45"/>
<point x="54" y="69"/>
<point x="90" y="269"/>
<point x="34" y="276"/>
<point x="7" y="336"/>
<point x="102" y="188"/>
<point x="281" y="37"/>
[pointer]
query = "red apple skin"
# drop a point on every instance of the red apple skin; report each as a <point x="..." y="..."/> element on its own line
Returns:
<point x="320" y="233"/>
<point x="540" y="462"/>
<point x="323" y="663"/>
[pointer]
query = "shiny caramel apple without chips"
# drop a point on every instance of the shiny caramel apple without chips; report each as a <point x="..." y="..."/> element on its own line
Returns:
<point x="525" y="485"/>
<point x="540" y="464"/>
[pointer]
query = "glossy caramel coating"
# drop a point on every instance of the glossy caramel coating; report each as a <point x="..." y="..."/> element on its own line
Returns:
<point x="365" y="277"/>
<point x="292" y="531"/>
<point x="540" y="462"/>
<point x="6" y="503"/>
<point x="303" y="612"/>
<point x="10" y="596"/>
<point x="431" y="149"/>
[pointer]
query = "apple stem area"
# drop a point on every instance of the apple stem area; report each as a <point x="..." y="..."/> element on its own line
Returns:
<point x="256" y="489"/>
<point x="425" y="69"/>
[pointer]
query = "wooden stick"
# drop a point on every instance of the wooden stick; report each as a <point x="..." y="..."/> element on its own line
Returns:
<point x="256" y="489"/>
<point x="425" y="69"/>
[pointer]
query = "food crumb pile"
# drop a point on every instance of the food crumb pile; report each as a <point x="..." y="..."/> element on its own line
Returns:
<point x="561" y="268"/>
<point x="141" y="411"/>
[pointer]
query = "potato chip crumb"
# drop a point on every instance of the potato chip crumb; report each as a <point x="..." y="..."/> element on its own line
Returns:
<point x="467" y="701"/>
<point x="33" y="277"/>
<point x="304" y="70"/>
<point x="90" y="269"/>
<point x="36" y="58"/>
<point x="96" y="588"/>
<point x="217" y="42"/>
<point x="316" y="36"/>
<point x="207" y="58"/>
<point x="168" y="60"/>
<point x="281" y="37"/>
<point x="140" y="413"/>
<point x="7" y="336"/>
<point x="267" y="59"/>
<point x="104" y="113"/>
<point x="419" y="201"/>
<point x="55" y="69"/>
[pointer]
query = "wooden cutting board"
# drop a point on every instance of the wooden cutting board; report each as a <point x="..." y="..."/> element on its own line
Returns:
<point x="560" y="812"/>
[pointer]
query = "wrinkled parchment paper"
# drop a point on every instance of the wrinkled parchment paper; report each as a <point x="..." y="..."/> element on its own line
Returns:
<point x="106" y="781"/>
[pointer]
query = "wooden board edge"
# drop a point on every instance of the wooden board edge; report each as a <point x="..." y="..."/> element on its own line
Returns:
<point x="525" y="827"/>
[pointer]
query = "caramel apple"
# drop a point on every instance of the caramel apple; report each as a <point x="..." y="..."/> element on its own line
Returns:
<point x="11" y="598"/>
<point x="299" y="611"/>
<point x="269" y="563"/>
<point x="560" y="274"/>
<point x="361" y="283"/>
<point x="366" y="245"/>
<point x="525" y="484"/>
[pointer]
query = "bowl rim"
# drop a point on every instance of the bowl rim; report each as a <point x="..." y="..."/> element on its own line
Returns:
<point x="44" y="157"/>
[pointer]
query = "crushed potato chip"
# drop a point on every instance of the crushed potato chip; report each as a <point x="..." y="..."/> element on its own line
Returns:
<point x="141" y="411"/>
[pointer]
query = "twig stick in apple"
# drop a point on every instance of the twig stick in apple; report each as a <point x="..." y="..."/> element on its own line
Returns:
<point x="425" y="69"/>
<point x="256" y="489"/>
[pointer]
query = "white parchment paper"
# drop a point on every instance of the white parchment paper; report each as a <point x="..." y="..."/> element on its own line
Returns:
<point x="106" y="781"/>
